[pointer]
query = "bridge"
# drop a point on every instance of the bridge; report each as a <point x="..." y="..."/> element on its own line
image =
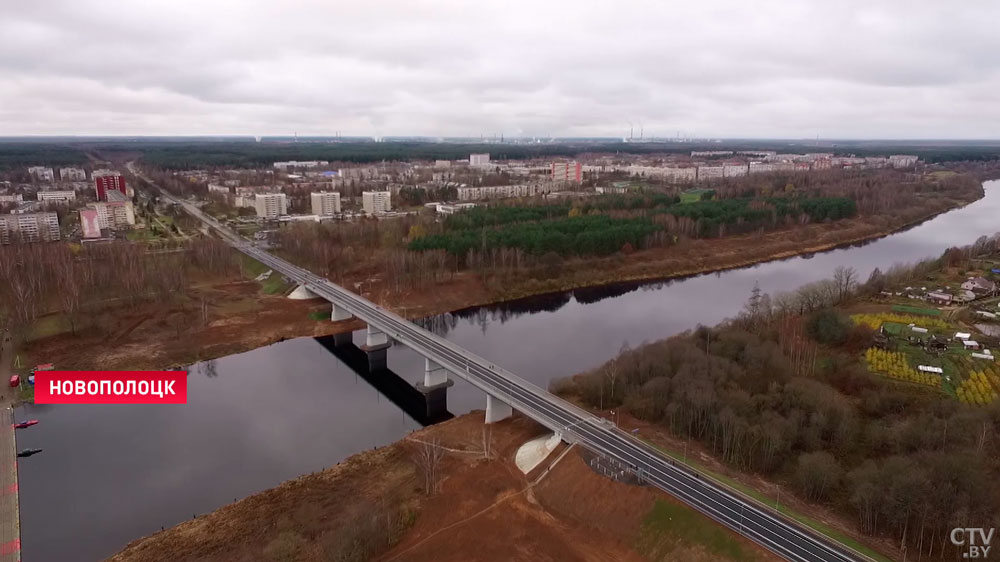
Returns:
<point x="505" y="391"/>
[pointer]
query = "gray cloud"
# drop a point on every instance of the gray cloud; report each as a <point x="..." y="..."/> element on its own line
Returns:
<point x="890" y="69"/>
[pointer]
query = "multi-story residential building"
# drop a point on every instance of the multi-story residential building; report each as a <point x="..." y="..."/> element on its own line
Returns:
<point x="113" y="214"/>
<point x="41" y="173"/>
<point x="101" y="172"/>
<point x="16" y="198"/>
<point x="325" y="203"/>
<point x="479" y="159"/>
<point x="72" y="174"/>
<point x="567" y="172"/>
<point x="734" y="170"/>
<point x="708" y="153"/>
<point x="376" y="202"/>
<point x="29" y="227"/>
<point x="216" y="188"/>
<point x="359" y="173"/>
<point x="295" y="164"/>
<point x="902" y="160"/>
<point x="442" y="163"/>
<point x="61" y="196"/>
<point x="498" y="191"/>
<point x="671" y="174"/>
<point x="90" y="223"/>
<point x="706" y="173"/>
<point x="270" y="205"/>
<point x="103" y="184"/>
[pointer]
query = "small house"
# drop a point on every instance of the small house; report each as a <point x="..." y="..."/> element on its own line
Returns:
<point x="980" y="286"/>
<point x="962" y="335"/>
<point x="970" y="344"/>
<point x="939" y="297"/>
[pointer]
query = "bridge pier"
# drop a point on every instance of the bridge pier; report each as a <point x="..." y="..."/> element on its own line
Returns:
<point x="496" y="409"/>
<point x="301" y="293"/>
<point x="435" y="388"/>
<point x="376" y="344"/>
<point x="338" y="313"/>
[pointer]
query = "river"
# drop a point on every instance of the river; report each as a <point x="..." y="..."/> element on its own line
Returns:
<point x="111" y="474"/>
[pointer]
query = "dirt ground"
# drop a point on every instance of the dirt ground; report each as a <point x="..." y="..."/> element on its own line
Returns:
<point x="485" y="509"/>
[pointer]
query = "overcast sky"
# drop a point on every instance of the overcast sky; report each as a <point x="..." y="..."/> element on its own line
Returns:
<point x="705" y="68"/>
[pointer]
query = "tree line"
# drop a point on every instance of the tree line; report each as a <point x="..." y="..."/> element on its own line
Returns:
<point x="779" y="390"/>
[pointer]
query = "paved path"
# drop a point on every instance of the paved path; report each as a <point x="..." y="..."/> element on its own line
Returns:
<point x="10" y="521"/>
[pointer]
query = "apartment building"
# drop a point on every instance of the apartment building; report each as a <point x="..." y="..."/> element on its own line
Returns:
<point x="706" y="173"/>
<point x="498" y="192"/>
<point x="567" y="172"/>
<point x="296" y="164"/>
<point x="902" y="160"/>
<point x="29" y="227"/>
<point x="479" y="159"/>
<point x="60" y="196"/>
<point x="270" y="205"/>
<point x="101" y="172"/>
<point x="104" y="184"/>
<point x="16" y="198"/>
<point x="72" y="174"/>
<point x="325" y="203"/>
<point x="359" y="173"/>
<point x="113" y="214"/>
<point x="734" y="170"/>
<point x="376" y="202"/>
<point x="41" y="173"/>
<point x="90" y="223"/>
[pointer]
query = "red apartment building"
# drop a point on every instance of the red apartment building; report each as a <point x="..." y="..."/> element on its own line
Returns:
<point x="107" y="183"/>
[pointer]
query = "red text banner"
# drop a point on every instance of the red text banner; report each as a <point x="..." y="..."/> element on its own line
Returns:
<point x="111" y="387"/>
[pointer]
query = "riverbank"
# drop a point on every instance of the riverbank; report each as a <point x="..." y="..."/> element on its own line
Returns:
<point x="244" y="315"/>
<point x="483" y="509"/>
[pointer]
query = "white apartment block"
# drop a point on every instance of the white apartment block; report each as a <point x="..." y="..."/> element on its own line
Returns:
<point x="376" y="202"/>
<point x="442" y="163"/>
<point x="216" y="188"/>
<point x="325" y="203"/>
<point x="296" y="164"/>
<point x="498" y="192"/>
<point x="61" y="196"/>
<point x="479" y="159"/>
<point x="668" y="173"/>
<point x="902" y="160"/>
<point x="41" y="173"/>
<point x="114" y="214"/>
<point x="567" y="172"/>
<point x="734" y="170"/>
<point x="270" y="205"/>
<point x="101" y="172"/>
<point x="29" y="227"/>
<point x="72" y="174"/>
<point x="360" y="173"/>
<point x="710" y="172"/>
<point x="16" y="198"/>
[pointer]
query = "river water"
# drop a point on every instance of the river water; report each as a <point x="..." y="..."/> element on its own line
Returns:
<point x="111" y="474"/>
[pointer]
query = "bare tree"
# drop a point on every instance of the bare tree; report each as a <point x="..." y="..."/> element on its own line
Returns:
<point x="428" y="459"/>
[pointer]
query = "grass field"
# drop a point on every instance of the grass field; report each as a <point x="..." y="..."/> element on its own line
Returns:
<point x="916" y="310"/>
<point x="667" y="524"/>
<point x="694" y="195"/>
<point x="273" y="285"/>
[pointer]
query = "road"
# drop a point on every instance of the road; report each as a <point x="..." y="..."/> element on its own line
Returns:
<point x="785" y="537"/>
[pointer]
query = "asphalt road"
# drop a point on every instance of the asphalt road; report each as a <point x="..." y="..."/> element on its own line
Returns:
<point x="781" y="535"/>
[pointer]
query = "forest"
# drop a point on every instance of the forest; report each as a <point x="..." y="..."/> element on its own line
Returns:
<point x="580" y="230"/>
<point x="782" y="390"/>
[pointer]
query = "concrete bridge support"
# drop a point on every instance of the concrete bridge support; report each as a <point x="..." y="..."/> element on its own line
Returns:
<point x="496" y="409"/>
<point x="376" y="344"/>
<point x="435" y="388"/>
<point x="342" y="339"/>
<point x="300" y="293"/>
<point x="338" y="313"/>
<point x="434" y="374"/>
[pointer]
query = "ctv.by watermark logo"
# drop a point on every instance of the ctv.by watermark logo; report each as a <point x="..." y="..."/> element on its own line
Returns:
<point x="974" y="542"/>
